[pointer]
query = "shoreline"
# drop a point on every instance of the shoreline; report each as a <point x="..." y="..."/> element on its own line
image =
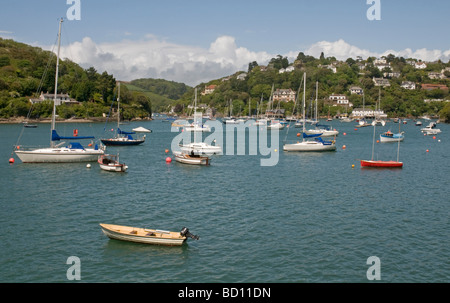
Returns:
<point x="19" y="120"/>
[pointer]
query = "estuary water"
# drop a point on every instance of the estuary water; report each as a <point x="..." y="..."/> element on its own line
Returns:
<point x="311" y="218"/>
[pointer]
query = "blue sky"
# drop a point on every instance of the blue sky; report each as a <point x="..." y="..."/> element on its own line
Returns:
<point x="232" y="30"/>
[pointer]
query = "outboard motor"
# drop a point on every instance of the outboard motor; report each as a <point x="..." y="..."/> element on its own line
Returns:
<point x="185" y="233"/>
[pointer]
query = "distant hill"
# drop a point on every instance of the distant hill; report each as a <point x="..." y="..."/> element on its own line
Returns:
<point x="162" y="93"/>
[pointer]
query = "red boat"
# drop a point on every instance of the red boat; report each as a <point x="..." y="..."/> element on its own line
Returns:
<point x="380" y="163"/>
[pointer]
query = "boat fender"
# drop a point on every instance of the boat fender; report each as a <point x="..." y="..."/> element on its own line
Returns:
<point x="75" y="132"/>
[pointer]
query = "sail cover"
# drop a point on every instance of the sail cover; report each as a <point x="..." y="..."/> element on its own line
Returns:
<point x="56" y="137"/>
<point x="119" y="131"/>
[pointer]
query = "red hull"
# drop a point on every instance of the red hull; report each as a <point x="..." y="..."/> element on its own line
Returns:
<point x="379" y="163"/>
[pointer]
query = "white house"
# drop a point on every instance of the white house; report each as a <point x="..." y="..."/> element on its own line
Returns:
<point x="60" y="99"/>
<point x="339" y="100"/>
<point x="356" y="90"/>
<point x="367" y="113"/>
<point x="408" y="85"/>
<point x="241" y="76"/>
<point x="381" y="82"/>
<point x="420" y="65"/>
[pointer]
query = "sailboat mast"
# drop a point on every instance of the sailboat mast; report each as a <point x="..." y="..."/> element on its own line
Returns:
<point x="317" y="85"/>
<point x="118" y="108"/>
<point x="373" y="143"/>
<point x="56" y="82"/>
<point x="304" y="102"/>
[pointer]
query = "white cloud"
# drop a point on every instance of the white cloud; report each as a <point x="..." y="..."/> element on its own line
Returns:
<point x="343" y="50"/>
<point x="155" y="58"/>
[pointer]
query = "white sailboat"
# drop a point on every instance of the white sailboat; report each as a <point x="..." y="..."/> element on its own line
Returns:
<point x="316" y="145"/>
<point x="56" y="153"/>
<point x="322" y="130"/>
<point x="124" y="138"/>
<point x="198" y="147"/>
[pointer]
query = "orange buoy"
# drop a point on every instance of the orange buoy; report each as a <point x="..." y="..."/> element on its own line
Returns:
<point x="168" y="159"/>
<point x="344" y="147"/>
<point x="434" y="137"/>
<point x="11" y="160"/>
<point x="345" y="134"/>
<point x="378" y="141"/>
<point x="167" y="150"/>
<point x="298" y="134"/>
<point x="427" y="150"/>
<point x="356" y="129"/>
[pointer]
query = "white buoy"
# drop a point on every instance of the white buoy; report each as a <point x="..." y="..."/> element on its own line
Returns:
<point x="88" y="165"/>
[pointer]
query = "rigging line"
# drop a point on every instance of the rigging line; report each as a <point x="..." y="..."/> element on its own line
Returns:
<point x="109" y="113"/>
<point x="295" y="104"/>
<point x="44" y="75"/>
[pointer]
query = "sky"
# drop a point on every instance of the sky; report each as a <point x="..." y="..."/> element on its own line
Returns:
<point x="195" y="41"/>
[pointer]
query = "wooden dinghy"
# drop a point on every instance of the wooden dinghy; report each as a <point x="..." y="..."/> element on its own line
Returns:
<point x="147" y="236"/>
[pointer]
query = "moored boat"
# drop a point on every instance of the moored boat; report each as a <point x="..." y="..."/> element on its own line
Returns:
<point x="111" y="163"/>
<point x="191" y="158"/>
<point x="391" y="137"/>
<point x="146" y="236"/>
<point x="381" y="163"/>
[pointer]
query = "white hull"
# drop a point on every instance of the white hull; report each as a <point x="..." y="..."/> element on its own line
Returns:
<point x="201" y="148"/>
<point x="114" y="167"/>
<point x="275" y="126"/>
<point x="309" y="146"/>
<point x="58" y="155"/>
<point x="389" y="139"/>
<point x="325" y="133"/>
<point x="431" y="131"/>
<point x="186" y="159"/>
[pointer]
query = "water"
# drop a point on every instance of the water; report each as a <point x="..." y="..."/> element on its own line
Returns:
<point x="310" y="218"/>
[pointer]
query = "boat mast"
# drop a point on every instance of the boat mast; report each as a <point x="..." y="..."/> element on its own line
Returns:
<point x="56" y="82"/>
<point x="118" y="109"/>
<point x="304" y="104"/>
<point x="317" y="85"/>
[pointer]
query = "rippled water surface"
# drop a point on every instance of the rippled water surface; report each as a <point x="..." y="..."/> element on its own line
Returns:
<point x="310" y="218"/>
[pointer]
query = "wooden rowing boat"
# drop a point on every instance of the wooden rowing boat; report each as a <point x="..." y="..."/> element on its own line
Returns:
<point x="147" y="236"/>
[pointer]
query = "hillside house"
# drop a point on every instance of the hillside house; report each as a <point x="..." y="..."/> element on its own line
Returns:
<point x="60" y="99"/>
<point x="408" y="85"/>
<point x="285" y="95"/>
<point x="209" y="89"/>
<point x="381" y="82"/>
<point x="339" y="100"/>
<point x="434" y="86"/>
<point x="356" y="90"/>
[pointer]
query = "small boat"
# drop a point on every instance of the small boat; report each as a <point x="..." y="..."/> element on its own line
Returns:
<point x="147" y="236"/>
<point x="381" y="163"/>
<point x="323" y="130"/>
<point x="275" y="124"/>
<point x="200" y="148"/>
<point x="430" y="129"/>
<point x="26" y="124"/>
<point x="141" y="129"/>
<point x="191" y="158"/>
<point x="418" y="123"/>
<point x="111" y="163"/>
<point x="391" y="137"/>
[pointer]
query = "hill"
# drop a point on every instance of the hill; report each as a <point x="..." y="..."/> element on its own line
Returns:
<point x="26" y="72"/>
<point x="381" y="79"/>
